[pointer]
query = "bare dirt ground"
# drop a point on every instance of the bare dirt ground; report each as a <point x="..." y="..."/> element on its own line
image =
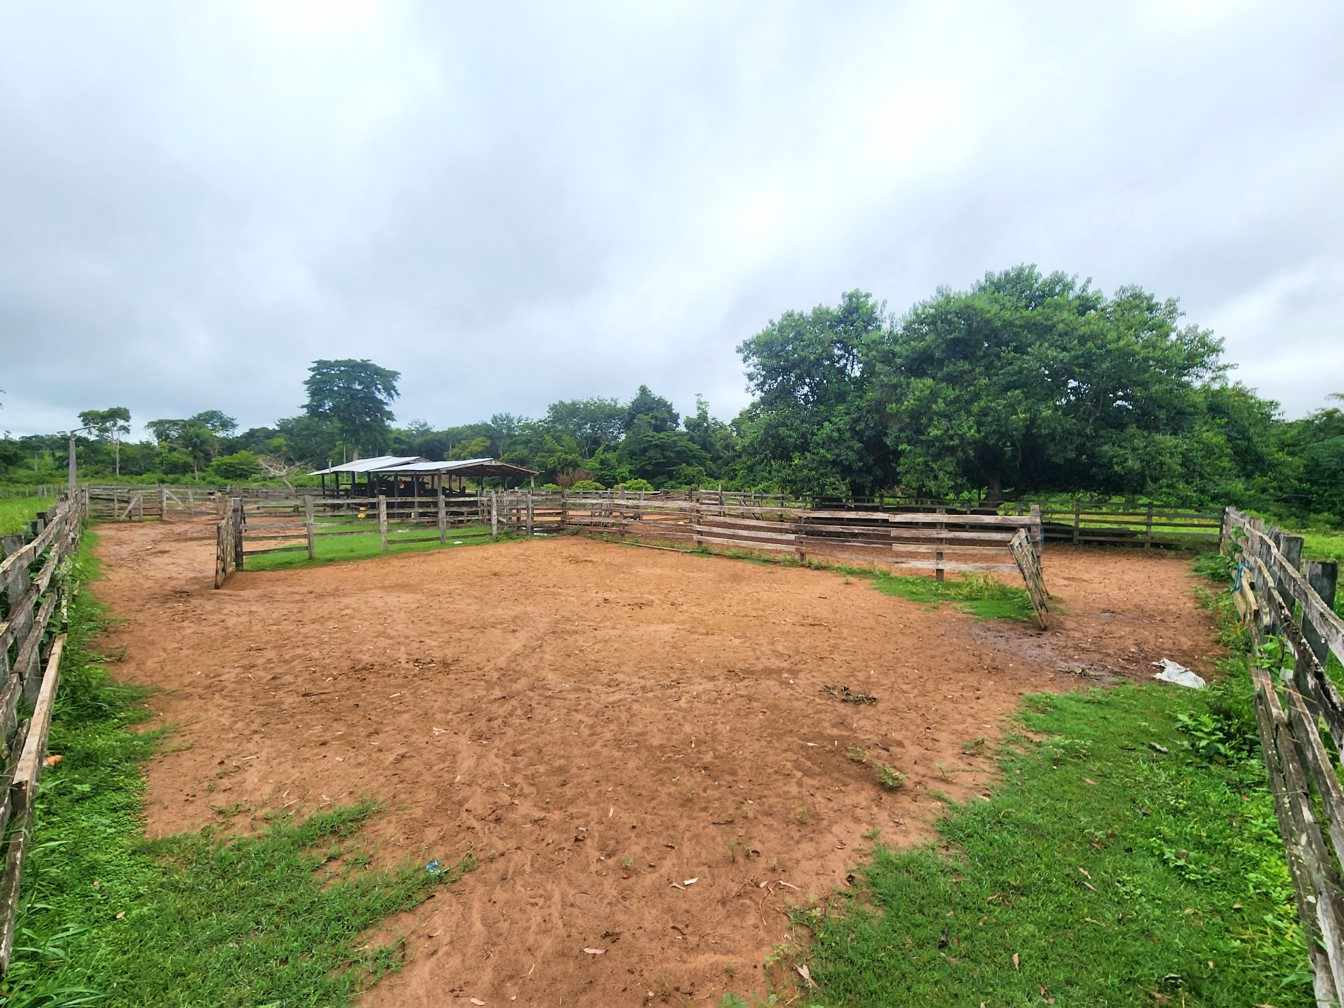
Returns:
<point x="600" y="723"/>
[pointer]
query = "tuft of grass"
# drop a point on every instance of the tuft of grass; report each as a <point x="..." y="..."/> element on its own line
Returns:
<point x="1102" y="870"/>
<point x="890" y="778"/>
<point x="196" y="919"/>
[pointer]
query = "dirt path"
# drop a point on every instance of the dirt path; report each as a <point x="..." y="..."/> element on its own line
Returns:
<point x="597" y="722"/>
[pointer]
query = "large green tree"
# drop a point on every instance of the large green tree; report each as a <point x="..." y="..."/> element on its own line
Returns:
<point x="812" y="428"/>
<point x="355" y="397"/>
<point x="650" y="412"/>
<point x="1028" y="381"/>
<point x="594" y="423"/>
<point x="109" y="425"/>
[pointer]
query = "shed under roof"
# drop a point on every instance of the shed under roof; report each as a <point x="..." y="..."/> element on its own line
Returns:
<point x="460" y="467"/>
<point x="369" y="464"/>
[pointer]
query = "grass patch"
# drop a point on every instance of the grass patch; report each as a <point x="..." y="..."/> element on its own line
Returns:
<point x="1130" y="855"/>
<point x="17" y="512"/>
<point x="977" y="594"/>
<point x="277" y="918"/>
<point x="1323" y="546"/>
<point x="333" y="549"/>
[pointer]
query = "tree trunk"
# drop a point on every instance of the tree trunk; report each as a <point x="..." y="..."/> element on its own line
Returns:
<point x="995" y="482"/>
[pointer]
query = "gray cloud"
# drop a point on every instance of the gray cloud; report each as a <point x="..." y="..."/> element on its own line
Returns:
<point x="524" y="203"/>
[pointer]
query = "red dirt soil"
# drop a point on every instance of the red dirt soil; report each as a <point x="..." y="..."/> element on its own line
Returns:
<point x="599" y="722"/>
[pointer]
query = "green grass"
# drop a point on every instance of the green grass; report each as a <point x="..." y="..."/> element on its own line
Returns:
<point x="17" y="512"/>
<point x="977" y="594"/>
<point x="1102" y="871"/>
<point x="276" y="918"/>
<point x="1323" y="545"/>
<point x="332" y="549"/>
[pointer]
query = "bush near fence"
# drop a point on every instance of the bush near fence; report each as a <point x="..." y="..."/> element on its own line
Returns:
<point x="1300" y="713"/>
<point x="35" y="582"/>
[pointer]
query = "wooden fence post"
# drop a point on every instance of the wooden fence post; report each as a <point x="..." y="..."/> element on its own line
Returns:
<point x="494" y="514"/>
<point x="1148" y="535"/>
<point x="163" y="503"/>
<point x="382" y="523"/>
<point x="531" y="513"/>
<point x="564" y="510"/>
<point x="1076" y="519"/>
<point x="1323" y="576"/>
<point x="938" y="553"/>
<point x="443" y="518"/>
<point x="238" y="518"/>
<point x="308" y="526"/>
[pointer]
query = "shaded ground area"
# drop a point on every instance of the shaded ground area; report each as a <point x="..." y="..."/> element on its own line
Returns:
<point x="602" y="723"/>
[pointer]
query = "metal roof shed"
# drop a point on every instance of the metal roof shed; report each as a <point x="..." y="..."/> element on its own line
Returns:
<point x="367" y="467"/>
<point x="368" y="464"/>
<point x="439" y="474"/>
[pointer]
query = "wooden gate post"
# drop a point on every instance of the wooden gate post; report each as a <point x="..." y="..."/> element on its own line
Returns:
<point x="163" y="503"/>
<point x="938" y="572"/>
<point x="382" y="523"/>
<point x="443" y="518"/>
<point x="308" y="525"/>
<point x="1076" y="519"/>
<point x="1148" y="535"/>
<point x="237" y="517"/>
<point x="494" y="514"/>
<point x="531" y="513"/>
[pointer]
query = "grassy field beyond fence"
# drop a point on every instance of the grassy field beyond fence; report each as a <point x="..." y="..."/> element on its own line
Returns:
<point x="17" y="512"/>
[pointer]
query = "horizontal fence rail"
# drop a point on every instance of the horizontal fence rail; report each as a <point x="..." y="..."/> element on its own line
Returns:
<point x="940" y="541"/>
<point x="1300" y="714"/>
<point x="35" y="589"/>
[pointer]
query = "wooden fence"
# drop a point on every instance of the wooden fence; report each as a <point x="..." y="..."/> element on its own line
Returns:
<point x="35" y="587"/>
<point x="898" y="538"/>
<point x="255" y="527"/>
<point x="1144" y="526"/>
<point x="1300" y="713"/>
<point x="938" y="541"/>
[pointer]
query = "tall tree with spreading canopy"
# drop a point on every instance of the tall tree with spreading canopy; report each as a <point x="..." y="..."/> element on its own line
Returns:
<point x="650" y="412"/>
<point x="354" y="395"/>
<point x="1029" y="381"/>
<point x="109" y="425"/>
<point x="812" y="427"/>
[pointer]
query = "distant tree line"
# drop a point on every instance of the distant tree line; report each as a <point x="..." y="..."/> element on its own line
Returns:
<point x="1026" y="383"/>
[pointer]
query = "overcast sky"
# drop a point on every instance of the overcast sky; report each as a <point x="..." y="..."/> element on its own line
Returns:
<point x="512" y="204"/>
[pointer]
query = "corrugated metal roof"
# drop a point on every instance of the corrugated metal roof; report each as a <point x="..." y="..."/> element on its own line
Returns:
<point x="435" y="467"/>
<point x="369" y="464"/>
<point x="468" y="467"/>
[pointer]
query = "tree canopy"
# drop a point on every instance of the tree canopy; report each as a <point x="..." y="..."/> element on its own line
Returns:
<point x="355" y="396"/>
<point x="1023" y="383"/>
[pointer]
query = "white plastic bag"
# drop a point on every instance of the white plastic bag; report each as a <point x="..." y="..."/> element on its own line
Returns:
<point x="1178" y="674"/>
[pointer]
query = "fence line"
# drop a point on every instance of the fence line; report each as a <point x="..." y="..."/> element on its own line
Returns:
<point x="35" y="588"/>
<point x="940" y="541"/>
<point x="1301" y="723"/>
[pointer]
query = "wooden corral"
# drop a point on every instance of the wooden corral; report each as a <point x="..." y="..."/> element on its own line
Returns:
<point x="1298" y="708"/>
<point x="35" y="585"/>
